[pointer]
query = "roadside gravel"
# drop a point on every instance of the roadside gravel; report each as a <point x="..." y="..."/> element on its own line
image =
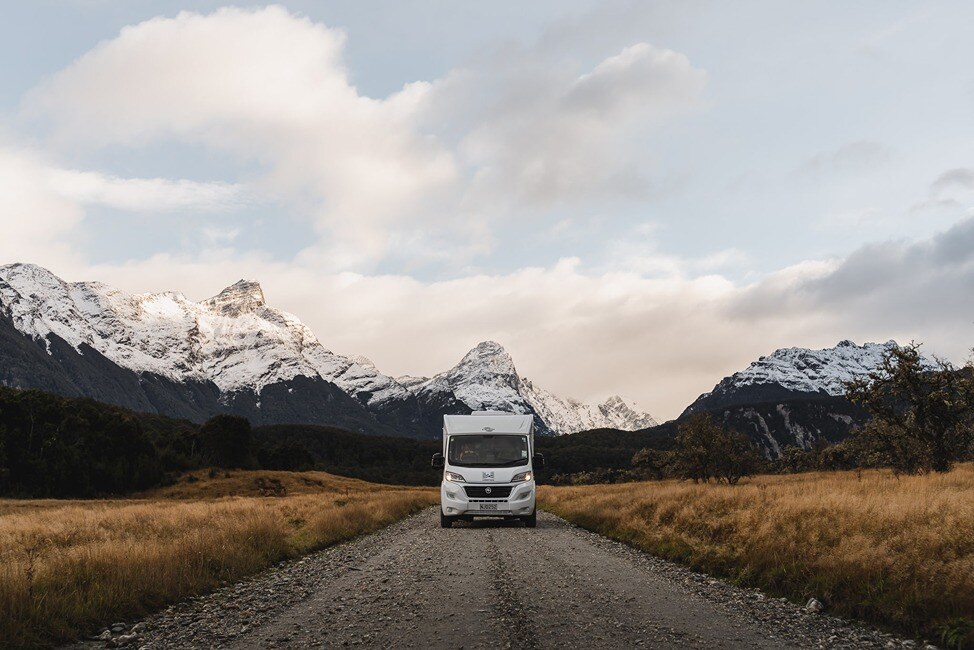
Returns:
<point x="487" y="585"/>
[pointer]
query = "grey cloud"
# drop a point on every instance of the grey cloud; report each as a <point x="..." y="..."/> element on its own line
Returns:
<point x="954" y="178"/>
<point x="920" y="286"/>
<point x="945" y="189"/>
<point x="553" y="137"/>
<point x="640" y="80"/>
<point x="851" y="157"/>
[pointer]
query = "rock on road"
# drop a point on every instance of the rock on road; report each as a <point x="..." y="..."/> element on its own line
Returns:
<point x="490" y="585"/>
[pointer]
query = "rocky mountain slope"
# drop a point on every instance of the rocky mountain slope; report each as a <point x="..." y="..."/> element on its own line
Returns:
<point x="486" y="379"/>
<point x="794" y="396"/>
<point x="233" y="339"/>
<point x="234" y="353"/>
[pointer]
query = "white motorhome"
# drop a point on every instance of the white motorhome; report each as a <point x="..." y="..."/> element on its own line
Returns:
<point x="488" y="463"/>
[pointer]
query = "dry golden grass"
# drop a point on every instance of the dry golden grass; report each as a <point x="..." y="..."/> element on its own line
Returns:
<point x="896" y="552"/>
<point x="66" y="566"/>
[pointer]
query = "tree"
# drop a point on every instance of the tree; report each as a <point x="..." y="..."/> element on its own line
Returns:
<point x="705" y="450"/>
<point x="921" y="415"/>
<point x="656" y="462"/>
<point x="794" y="460"/>
<point x="693" y="455"/>
<point x="227" y="441"/>
<point x="734" y="457"/>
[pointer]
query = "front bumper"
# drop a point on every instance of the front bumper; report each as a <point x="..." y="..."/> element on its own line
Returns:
<point x="454" y="501"/>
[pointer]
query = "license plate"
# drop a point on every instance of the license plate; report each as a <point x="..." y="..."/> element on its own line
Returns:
<point x="488" y="506"/>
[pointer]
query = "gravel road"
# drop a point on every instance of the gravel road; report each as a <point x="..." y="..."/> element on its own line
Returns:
<point x="488" y="585"/>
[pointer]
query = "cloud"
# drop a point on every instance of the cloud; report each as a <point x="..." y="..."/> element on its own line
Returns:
<point x="921" y="290"/>
<point x="859" y="156"/>
<point x="428" y="174"/>
<point x="36" y="220"/>
<point x="141" y="195"/>
<point x="638" y="251"/>
<point x="551" y="137"/>
<point x="268" y="87"/>
<point x="506" y="136"/>
<point x="952" y="179"/>
<point x="590" y="333"/>
<point x="640" y="81"/>
<point x="43" y="206"/>
<point x="951" y="190"/>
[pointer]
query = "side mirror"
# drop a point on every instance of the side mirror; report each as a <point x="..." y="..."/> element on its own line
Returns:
<point x="538" y="461"/>
<point x="437" y="461"/>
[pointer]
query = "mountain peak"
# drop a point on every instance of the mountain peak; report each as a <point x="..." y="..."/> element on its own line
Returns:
<point x="241" y="296"/>
<point x="489" y="356"/>
<point x="29" y="274"/>
<point x="489" y="347"/>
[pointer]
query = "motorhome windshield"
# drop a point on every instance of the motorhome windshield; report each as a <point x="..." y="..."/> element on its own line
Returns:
<point x="488" y="451"/>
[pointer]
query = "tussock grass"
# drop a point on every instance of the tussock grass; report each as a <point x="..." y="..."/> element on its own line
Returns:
<point x="67" y="567"/>
<point x="897" y="552"/>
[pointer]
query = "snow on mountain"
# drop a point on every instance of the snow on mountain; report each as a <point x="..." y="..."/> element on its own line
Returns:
<point x="813" y="371"/>
<point x="790" y="373"/>
<point x="794" y="396"/>
<point x="239" y="343"/>
<point x="486" y="379"/>
<point x="233" y="338"/>
<point x="409" y="381"/>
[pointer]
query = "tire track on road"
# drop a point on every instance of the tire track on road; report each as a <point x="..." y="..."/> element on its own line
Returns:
<point x="521" y="632"/>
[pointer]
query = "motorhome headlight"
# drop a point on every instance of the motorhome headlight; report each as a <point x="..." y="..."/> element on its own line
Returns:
<point x="453" y="477"/>
<point x="523" y="476"/>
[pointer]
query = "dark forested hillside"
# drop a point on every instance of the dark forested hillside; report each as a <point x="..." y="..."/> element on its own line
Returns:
<point x="383" y="459"/>
<point x="603" y="451"/>
<point x="55" y="446"/>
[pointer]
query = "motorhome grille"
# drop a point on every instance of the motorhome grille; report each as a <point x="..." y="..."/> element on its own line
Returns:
<point x="495" y="491"/>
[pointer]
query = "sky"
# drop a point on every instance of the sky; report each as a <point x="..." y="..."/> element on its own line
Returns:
<point x="634" y="198"/>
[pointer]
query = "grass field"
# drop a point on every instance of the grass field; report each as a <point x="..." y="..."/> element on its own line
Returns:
<point x="67" y="567"/>
<point x="898" y="552"/>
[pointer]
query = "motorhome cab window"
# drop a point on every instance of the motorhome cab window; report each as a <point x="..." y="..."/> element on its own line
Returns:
<point x="488" y="451"/>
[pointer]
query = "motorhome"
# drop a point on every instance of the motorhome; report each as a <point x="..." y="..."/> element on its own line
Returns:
<point x="488" y="463"/>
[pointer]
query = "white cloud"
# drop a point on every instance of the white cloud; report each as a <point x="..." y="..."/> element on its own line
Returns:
<point x="43" y="206"/>
<point x="638" y="251"/>
<point x="34" y="219"/>
<point x="141" y="195"/>
<point x="454" y="155"/>
<point x="269" y="87"/>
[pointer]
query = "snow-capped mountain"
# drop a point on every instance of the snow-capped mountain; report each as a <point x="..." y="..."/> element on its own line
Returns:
<point x="791" y="371"/>
<point x="814" y="371"/>
<point x="794" y="396"/>
<point x="486" y="379"/>
<point x="240" y="355"/>
<point x="232" y="339"/>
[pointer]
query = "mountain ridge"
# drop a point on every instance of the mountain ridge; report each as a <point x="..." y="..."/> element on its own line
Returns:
<point x="487" y="379"/>
<point x="794" y="396"/>
<point x="242" y="347"/>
